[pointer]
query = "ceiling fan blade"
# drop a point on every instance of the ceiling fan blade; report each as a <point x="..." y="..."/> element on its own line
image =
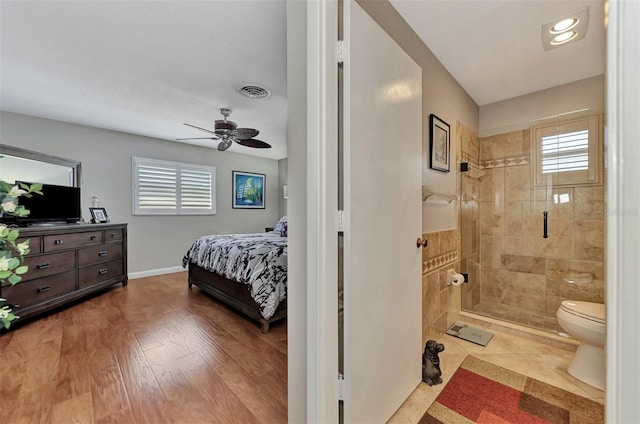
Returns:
<point x="200" y="128"/>
<point x="224" y="145"/>
<point x="245" y="133"/>
<point x="252" y="142"/>
<point x="197" y="138"/>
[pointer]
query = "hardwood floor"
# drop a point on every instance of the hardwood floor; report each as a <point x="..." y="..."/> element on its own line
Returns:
<point x="152" y="352"/>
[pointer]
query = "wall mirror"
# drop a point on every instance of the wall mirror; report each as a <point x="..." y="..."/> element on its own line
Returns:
<point x="18" y="164"/>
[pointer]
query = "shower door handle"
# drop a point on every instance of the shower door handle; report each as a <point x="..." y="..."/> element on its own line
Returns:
<point x="544" y="225"/>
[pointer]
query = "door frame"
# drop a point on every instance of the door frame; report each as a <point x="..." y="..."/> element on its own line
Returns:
<point x="623" y="220"/>
<point x="322" y="206"/>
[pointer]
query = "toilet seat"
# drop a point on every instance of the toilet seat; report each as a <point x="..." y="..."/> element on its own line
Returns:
<point x="591" y="311"/>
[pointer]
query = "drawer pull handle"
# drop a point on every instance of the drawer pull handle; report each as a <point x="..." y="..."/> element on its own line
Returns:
<point x="43" y="289"/>
<point x="114" y="235"/>
<point x="103" y="253"/>
<point x="93" y="237"/>
<point x="57" y="241"/>
<point x="43" y="266"/>
<point x="103" y="271"/>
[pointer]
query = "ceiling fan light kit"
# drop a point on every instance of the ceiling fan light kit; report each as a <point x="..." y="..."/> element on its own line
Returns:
<point x="228" y="132"/>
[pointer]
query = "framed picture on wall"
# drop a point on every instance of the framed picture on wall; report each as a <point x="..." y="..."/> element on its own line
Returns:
<point x="248" y="190"/>
<point x="439" y="144"/>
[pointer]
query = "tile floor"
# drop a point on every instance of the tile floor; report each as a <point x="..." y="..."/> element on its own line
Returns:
<point x="522" y="354"/>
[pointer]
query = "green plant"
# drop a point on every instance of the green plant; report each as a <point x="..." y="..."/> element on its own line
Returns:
<point x="11" y="252"/>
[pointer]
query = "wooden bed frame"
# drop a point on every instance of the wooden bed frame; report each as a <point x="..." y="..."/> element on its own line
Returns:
<point x="233" y="294"/>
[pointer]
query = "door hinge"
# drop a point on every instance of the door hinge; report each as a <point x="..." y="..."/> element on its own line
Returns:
<point x="339" y="50"/>
<point x="340" y="220"/>
<point x="340" y="386"/>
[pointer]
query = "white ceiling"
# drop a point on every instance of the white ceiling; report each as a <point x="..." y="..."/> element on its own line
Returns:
<point x="147" y="67"/>
<point x="493" y="48"/>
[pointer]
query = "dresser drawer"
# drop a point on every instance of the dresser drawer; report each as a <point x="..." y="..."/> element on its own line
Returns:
<point x="95" y="274"/>
<point x="72" y="240"/>
<point x="113" y="235"/>
<point x="35" y="244"/>
<point x="100" y="253"/>
<point x="54" y="263"/>
<point x="33" y="292"/>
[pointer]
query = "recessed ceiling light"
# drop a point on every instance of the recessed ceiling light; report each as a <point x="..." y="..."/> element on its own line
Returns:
<point x="565" y="37"/>
<point x="564" y="25"/>
<point x="564" y="29"/>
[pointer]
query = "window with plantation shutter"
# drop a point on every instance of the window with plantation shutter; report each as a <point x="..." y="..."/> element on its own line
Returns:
<point x="171" y="188"/>
<point x="567" y="153"/>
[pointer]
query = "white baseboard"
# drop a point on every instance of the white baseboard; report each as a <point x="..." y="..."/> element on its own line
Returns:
<point x="158" y="271"/>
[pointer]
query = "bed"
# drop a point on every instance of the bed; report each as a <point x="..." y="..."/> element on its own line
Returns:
<point x="246" y="271"/>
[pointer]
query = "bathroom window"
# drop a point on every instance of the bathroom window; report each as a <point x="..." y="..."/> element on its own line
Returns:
<point x="172" y="188"/>
<point x="567" y="153"/>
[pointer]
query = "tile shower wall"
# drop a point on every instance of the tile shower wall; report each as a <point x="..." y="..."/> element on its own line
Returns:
<point x="441" y="253"/>
<point x="523" y="276"/>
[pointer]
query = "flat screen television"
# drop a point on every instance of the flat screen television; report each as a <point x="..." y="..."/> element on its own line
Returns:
<point x="57" y="204"/>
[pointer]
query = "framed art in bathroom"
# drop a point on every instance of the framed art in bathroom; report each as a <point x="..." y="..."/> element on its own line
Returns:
<point x="439" y="144"/>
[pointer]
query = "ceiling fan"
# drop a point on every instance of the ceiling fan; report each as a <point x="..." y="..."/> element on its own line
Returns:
<point x="227" y="132"/>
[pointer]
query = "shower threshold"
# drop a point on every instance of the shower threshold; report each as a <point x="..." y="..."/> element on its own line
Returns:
<point x="515" y="315"/>
<point x="501" y="326"/>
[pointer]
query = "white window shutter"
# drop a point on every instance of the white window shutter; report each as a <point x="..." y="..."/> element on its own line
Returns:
<point x="565" y="152"/>
<point x="157" y="186"/>
<point x="172" y="188"/>
<point x="196" y="189"/>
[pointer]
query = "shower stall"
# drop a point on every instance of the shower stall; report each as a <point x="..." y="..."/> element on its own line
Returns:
<point x="532" y="218"/>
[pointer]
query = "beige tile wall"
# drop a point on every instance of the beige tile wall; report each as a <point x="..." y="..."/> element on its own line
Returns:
<point x="519" y="267"/>
<point x="441" y="253"/>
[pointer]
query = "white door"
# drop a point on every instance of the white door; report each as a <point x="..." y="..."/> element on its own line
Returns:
<point x="382" y="181"/>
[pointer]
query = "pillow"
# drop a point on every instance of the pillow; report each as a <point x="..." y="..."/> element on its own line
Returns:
<point x="282" y="227"/>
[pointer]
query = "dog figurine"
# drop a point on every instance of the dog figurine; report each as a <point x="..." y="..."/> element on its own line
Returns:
<point x="431" y="363"/>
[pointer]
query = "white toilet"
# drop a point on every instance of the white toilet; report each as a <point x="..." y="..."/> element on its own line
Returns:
<point x="585" y="321"/>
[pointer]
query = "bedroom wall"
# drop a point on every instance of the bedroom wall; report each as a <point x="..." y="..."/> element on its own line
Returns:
<point x="156" y="243"/>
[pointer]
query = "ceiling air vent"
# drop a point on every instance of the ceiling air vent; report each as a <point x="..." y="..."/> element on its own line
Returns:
<point x="253" y="91"/>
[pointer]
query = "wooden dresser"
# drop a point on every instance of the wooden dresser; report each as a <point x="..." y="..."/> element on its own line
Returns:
<point x="68" y="262"/>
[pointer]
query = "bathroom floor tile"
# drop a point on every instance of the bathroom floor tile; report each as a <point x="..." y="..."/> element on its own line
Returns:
<point x="542" y="361"/>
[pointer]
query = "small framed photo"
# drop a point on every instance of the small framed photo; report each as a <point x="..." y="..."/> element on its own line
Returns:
<point x="248" y="190"/>
<point x="439" y="144"/>
<point x="99" y="215"/>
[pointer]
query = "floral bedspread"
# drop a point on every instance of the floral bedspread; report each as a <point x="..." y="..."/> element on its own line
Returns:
<point x="257" y="260"/>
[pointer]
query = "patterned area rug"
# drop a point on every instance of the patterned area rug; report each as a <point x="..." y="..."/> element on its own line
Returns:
<point x="480" y="392"/>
